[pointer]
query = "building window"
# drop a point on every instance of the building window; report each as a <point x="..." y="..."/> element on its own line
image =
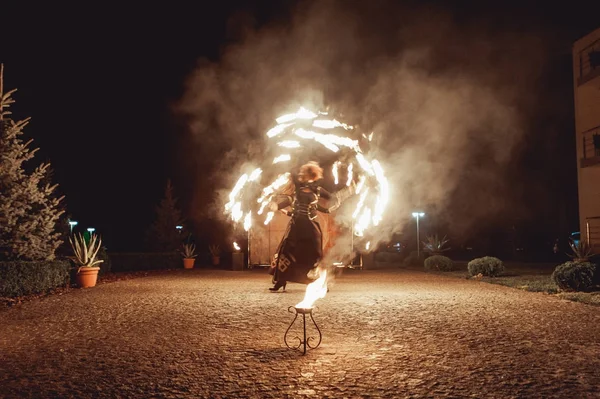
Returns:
<point x="589" y="62"/>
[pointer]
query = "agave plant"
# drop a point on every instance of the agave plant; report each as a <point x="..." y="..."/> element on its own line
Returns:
<point x="581" y="251"/>
<point x="434" y="245"/>
<point x="86" y="251"/>
<point x="188" y="251"/>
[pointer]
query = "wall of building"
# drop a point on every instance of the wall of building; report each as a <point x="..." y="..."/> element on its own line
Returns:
<point x="586" y="81"/>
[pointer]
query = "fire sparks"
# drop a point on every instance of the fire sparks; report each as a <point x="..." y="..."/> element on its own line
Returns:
<point x="292" y="132"/>
<point x="282" y="158"/>
<point x="315" y="290"/>
<point x="334" y="171"/>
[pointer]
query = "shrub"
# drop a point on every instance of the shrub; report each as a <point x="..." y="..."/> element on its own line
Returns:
<point x="574" y="276"/>
<point x="487" y="266"/>
<point x="414" y="259"/>
<point x="439" y="262"/>
<point x="18" y="278"/>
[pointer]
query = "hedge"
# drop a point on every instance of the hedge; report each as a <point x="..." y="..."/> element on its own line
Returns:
<point x="18" y="278"/>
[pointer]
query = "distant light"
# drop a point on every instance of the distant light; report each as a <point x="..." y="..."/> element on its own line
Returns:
<point x="72" y="223"/>
<point x="91" y="229"/>
<point x="179" y="227"/>
<point x="418" y="214"/>
<point x="236" y="246"/>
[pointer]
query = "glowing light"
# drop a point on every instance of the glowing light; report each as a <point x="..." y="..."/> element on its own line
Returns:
<point x="277" y="130"/>
<point x="248" y="221"/>
<point x="349" y="181"/>
<point x="289" y="144"/>
<point x="292" y="131"/>
<point x="334" y="171"/>
<point x="255" y="174"/>
<point x="315" y="290"/>
<point x="302" y="113"/>
<point x="282" y="158"/>
<point x="329" y="124"/>
<point x="269" y="217"/>
<point x="368" y="245"/>
<point x="236" y="246"/>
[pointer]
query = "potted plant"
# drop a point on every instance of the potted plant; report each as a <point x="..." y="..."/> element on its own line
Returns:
<point x="85" y="255"/>
<point x="189" y="254"/>
<point x="215" y="251"/>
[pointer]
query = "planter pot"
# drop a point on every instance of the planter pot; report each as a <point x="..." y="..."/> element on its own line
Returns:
<point x="216" y="260"/>
<point x="87" y="277"/>
<point x="188" y="263"/>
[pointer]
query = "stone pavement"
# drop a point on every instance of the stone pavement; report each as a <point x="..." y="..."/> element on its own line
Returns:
<point x="219" y="334"/>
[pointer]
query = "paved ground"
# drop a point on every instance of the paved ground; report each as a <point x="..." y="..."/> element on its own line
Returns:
<point x="217" y="334"/>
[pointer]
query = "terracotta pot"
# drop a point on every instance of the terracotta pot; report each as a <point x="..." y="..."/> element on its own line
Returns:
<point x="216" y="260"/>
<point x="87" y="276"/>
<point x="188" y="263"/>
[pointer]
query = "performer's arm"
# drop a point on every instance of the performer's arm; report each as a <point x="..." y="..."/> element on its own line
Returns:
<point x="322" y="209"/>
<point x="324" y="193"/>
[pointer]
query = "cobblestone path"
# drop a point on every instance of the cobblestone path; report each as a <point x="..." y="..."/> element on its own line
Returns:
<point x="219" y="334"/>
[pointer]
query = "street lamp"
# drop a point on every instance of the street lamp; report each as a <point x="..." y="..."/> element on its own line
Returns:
<point x="72" y="224"/>
<point x="91" y="230"/>
<point x="179" y="228"/>
<point x="418" y="215"/>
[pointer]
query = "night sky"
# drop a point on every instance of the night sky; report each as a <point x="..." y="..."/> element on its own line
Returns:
<point x="99" y="81"/>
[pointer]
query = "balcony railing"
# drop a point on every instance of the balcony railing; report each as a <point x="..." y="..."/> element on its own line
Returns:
<point x="589" y="62"/>
<point x="592" y="227"/>
<point x="591" y="147"/>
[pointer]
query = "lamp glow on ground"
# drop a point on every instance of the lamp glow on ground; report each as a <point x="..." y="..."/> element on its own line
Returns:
<point x="418" y="215"/>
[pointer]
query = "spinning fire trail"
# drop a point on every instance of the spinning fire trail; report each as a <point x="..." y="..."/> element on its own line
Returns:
<point x="293" y="134"/>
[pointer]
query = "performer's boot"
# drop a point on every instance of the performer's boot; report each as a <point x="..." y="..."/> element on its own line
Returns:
<point x="278" y="285"/>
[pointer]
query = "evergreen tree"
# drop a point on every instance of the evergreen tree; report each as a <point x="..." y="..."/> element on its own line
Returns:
<point x="163" y="234"/>
<point x="29" y="211"/>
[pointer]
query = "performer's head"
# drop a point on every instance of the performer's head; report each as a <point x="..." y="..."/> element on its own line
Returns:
<point x="310" y="171"/>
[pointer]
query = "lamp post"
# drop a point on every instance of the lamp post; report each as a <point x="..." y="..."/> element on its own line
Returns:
<point x="91" y="230"/>
<point x="72" y="223"/>
<point x="418" y="215"/>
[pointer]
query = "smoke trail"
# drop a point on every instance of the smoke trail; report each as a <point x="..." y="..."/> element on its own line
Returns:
<point x="447" y="102"/>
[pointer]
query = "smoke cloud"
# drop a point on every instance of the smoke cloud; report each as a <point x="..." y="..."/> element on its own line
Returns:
<point x="449" y="102"/>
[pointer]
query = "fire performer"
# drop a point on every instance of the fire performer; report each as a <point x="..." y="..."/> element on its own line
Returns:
<point x="301" y="248"/>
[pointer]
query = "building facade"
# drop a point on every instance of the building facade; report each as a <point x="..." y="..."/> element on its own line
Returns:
<point x="586" y="74"/>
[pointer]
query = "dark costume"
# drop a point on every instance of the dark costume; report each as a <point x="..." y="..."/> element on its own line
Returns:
<point x="302" y="245"/>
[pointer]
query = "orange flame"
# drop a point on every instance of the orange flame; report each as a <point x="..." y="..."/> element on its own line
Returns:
<point x="315" y="290"/>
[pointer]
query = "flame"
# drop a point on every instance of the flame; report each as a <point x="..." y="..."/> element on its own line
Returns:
<point x="289" y="144"/>
<point x="349" y="181"/>
<point x="334" y="170"/>
<point x="236" y="246"/>
<point x="315" y="290"/>
<point x="248" y="221"/>
<point x="255" y="174"/>
<point x="291" y="132"/>
<point x="282" y="158"/>
<point x="269" y="217"/>
<point x="302" y="113"/>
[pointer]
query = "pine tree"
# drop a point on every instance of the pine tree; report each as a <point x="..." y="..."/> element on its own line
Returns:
<point x="29" y="211"/>
<point x="163" y="234"/>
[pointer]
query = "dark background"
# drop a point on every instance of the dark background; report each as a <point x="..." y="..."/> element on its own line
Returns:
<point x="98" y="81"/>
